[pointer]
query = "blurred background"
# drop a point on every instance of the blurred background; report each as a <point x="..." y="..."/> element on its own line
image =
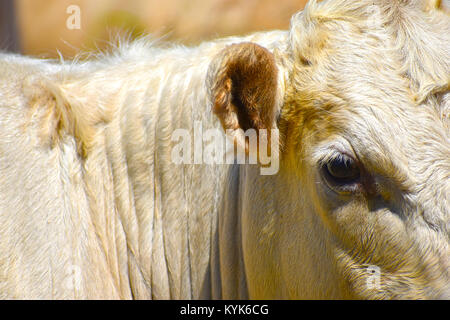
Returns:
<point x="44" y="27"/>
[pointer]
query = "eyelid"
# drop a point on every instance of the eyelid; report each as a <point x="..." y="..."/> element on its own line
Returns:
<point x="336" y="155"/>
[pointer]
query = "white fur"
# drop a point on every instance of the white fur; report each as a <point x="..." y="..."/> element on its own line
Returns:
<point x="101" y="196"/>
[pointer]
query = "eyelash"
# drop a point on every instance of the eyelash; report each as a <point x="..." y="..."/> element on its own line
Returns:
<point x="341" y="185"/>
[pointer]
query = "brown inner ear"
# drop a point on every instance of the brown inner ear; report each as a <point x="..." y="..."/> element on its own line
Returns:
<point x="244" y="94"/>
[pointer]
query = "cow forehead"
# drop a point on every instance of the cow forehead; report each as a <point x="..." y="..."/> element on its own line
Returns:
<point x="352" y="71"/>
<point x="408" y="136"/>
<point x="381" y="43"/>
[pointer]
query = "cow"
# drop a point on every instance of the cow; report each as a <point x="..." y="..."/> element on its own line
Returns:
<point x="352" y="103"/>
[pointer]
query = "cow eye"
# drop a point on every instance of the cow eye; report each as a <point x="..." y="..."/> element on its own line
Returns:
<point x="341" y="171"/>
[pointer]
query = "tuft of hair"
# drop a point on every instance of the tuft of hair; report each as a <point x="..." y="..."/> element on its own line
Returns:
<point x="63" y="108"/>
<point x="73" y="101"/>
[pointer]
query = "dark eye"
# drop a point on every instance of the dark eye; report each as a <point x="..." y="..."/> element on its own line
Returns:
<point x="341" y="171"/>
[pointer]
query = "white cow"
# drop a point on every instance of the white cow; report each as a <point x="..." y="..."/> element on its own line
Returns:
<point x="93" y="205"/>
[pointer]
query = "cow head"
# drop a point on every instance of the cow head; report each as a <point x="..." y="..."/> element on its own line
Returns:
<point x="361" y="206"/>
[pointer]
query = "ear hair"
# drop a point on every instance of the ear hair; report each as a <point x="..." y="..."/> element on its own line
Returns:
<point x="243" y="87"/>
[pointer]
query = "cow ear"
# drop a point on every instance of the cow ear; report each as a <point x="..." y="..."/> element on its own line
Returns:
<point x="243" y="82"/>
